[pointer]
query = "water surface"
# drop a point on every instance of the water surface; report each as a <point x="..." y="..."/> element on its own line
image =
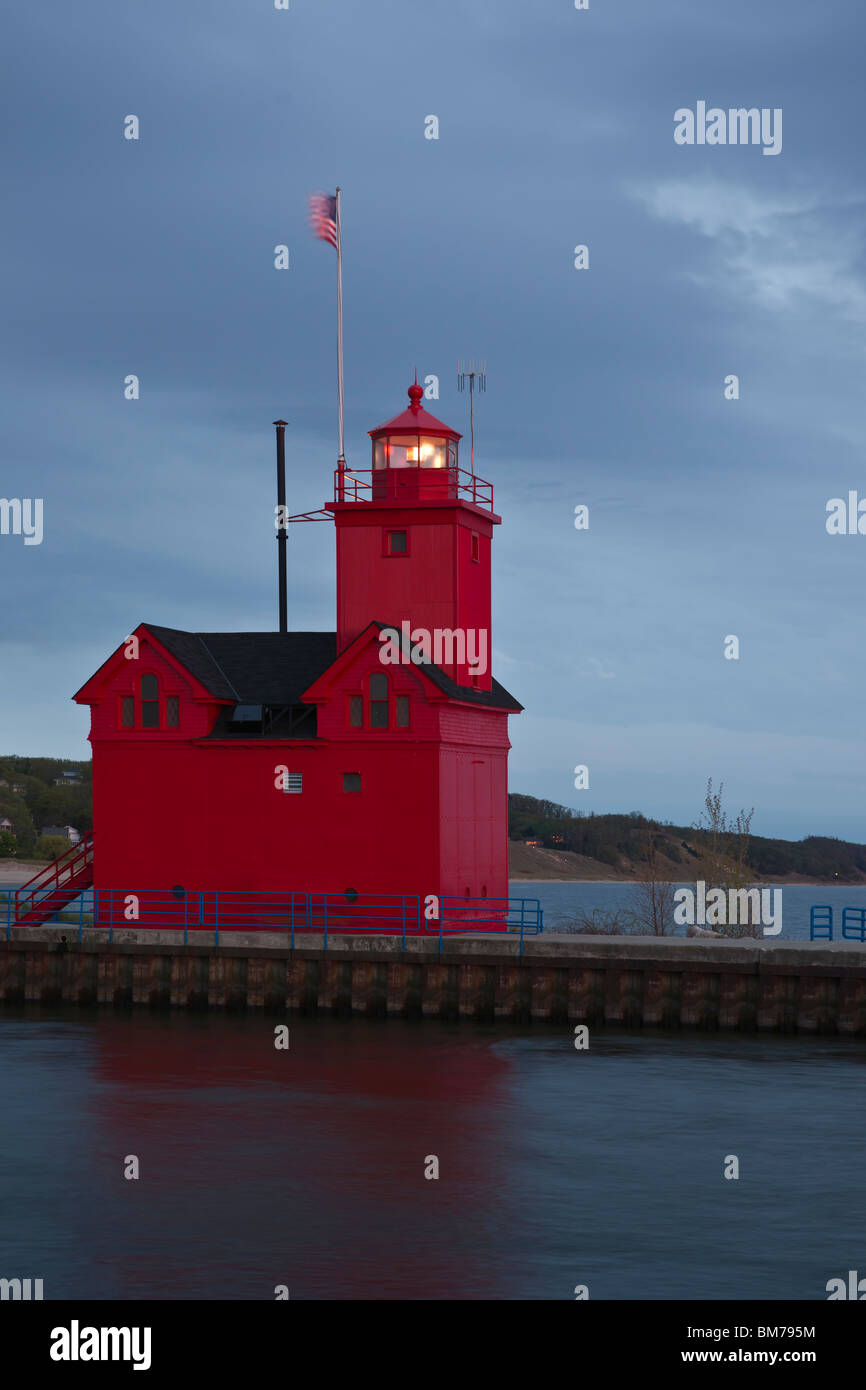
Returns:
<point x="306" y="1167"/>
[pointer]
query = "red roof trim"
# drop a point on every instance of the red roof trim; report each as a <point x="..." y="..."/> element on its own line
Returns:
<point x="415" y="420"/>
<point x="92" y="688"/>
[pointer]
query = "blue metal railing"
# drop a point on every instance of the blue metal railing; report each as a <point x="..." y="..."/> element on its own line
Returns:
<point x="821" y="923"/>
<point x="853" y="923"/>
<point x="392" y="914"/>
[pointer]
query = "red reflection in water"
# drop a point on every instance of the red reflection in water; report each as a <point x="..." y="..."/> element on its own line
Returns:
<point x="318" y="1151"/>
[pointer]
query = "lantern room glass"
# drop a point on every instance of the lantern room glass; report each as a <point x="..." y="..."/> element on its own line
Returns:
<point x="432" y="451"/>
<point x="414" y="451"/>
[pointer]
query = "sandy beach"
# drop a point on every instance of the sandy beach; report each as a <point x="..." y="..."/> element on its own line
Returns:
<point x="15" y="871"/>
<point x="18" y="871"/>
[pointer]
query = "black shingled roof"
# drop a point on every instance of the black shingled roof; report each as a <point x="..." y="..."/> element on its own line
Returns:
<point x="273" y="668"/>
<point x="266" y="668"/>
<point x="497" y="696"/>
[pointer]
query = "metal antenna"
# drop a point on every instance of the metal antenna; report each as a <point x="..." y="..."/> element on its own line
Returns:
<point x="474" y="374"/>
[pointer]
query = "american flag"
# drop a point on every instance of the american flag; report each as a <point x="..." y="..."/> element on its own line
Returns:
<point x="323" y="216"/>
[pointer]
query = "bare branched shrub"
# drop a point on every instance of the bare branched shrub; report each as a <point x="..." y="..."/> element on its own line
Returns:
<point x="651" y="897"/>
<point x="604" y="922"/>
<point x="723" y="851"/>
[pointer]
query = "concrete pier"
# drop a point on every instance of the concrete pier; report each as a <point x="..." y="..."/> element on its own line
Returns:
<point x="630" y="982"/>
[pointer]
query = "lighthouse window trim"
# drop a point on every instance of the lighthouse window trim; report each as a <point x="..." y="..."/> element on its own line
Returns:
<point x="385" y="708"/>
<point x="396" y="544"/>
<point x="380" y="692"/>
<point x="148" y="690"/>
<point x="148" y="708"/>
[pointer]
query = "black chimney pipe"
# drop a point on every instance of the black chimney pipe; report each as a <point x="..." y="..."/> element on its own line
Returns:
<point x="282" y="522"/>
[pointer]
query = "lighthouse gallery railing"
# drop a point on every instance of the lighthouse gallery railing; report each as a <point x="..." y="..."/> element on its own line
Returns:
<point x="412" y="484"/>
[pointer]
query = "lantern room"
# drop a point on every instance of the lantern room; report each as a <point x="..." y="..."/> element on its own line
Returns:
<point x="414" y="455"/>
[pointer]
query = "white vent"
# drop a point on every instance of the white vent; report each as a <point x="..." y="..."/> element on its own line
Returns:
<point x="294" y="782"/>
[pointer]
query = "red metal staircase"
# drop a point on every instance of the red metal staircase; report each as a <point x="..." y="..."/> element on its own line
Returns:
<point x="55" y="886"/>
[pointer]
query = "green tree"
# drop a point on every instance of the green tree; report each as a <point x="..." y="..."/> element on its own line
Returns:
<point x="14" y="808"/>
<point x="51" y="847"/>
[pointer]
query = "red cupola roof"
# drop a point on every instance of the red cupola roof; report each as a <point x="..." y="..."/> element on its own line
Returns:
<point x="415" y="420"/>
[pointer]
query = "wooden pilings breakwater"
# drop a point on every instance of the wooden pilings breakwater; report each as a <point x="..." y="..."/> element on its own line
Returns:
<point x="814" y="988"/>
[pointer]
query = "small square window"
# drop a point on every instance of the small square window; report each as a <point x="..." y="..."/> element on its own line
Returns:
<point x="294" y="782"/>
<point x="172" y="711"/>
<point x="127" y="712"/>
<point x="474" y="546"/>
<point x="356" y="712"/>
<point x="401" y="711"/>
<point x="396" y="542"/>
<point x="351" y="781"/>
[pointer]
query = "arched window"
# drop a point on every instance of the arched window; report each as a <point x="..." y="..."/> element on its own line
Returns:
<point x="148" y="708"/>
<point x="149" y="702"/>
<point x="387" y="710"/>
<point x="378" y="701"/>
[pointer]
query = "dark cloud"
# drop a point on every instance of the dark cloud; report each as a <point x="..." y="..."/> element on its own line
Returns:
<point x="707" y="517"/>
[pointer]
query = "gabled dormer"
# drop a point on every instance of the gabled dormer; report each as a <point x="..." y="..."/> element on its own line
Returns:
<point x="231" y="687"/>
<point x="362" y="695"/>
<point x="143" y="691"/>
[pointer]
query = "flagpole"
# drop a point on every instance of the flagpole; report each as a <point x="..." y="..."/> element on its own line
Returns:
<point x="341" y="461"/>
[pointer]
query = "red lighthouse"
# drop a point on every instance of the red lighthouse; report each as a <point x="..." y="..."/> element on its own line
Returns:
<point x="368" y="761"/>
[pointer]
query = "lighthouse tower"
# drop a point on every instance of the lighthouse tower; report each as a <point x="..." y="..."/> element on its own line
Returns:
<point x="413" y="540"/>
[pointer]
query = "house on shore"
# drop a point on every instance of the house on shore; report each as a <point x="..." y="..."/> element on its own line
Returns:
<point x="62" y="832"/>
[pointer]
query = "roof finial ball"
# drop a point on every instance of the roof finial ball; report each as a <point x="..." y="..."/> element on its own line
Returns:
<point x="416" y="394"/>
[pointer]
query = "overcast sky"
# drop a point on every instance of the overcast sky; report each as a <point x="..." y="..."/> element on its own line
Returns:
<point x="606" y="385"/>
